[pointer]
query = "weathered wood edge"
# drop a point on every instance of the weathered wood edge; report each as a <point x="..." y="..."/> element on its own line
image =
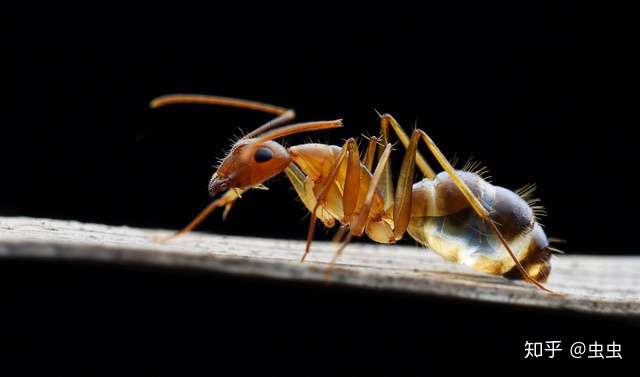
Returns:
<point x="365" y="266"/>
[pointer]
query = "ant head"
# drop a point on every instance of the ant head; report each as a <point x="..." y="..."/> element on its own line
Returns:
<point x="249" y="163"/>
<point x="254" y="159"/>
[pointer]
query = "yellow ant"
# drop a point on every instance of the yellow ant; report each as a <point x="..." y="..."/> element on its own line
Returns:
<point x="457" y="213"/>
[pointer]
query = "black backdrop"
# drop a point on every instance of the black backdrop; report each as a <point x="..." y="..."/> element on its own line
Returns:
<point x="532" y="90"/>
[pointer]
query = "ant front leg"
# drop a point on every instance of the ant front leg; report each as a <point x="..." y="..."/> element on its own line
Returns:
<point x="351" y="187"/>
<point x="226" y="200"/>
<point x="358" y="223"/>
<point x="401" y="203"/>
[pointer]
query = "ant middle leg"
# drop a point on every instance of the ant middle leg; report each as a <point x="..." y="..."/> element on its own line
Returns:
<point x="349" y="152"/>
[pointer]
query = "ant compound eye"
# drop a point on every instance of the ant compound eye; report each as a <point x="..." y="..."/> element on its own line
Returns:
<point x="263" y="154"/>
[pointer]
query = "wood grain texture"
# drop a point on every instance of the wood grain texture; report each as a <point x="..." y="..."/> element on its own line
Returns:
<point x="591" y="284"/>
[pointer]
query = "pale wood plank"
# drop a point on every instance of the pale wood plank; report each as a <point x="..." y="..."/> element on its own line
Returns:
<point x="593" y="284"/>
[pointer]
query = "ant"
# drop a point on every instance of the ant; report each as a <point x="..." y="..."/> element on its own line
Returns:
<point x="457" y="213"/>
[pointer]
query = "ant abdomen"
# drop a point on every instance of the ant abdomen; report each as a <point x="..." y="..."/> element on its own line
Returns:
<point x="443" y="220"/>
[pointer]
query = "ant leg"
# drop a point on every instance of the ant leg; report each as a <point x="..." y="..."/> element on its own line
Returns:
<point x="402" y="201"/>
<point x="305" y="192"/>
<point x="351" y="189"/>
<point x="323" y="190"/>
<point x="339" y="237"/>
<point x="357" y="227"/>
<point x="385" y="120"/>
<point x="475" y="203"/>
<point x="387" y="185"/>
<point x="350" y="195"/>
<point x="225" y="201"/>
<point x="404" y="189"/>
<point x="329" y="270"/>
<point x="369" y="155"/>
<point x="304" y="189"/>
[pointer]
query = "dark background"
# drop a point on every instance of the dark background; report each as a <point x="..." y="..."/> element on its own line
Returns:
<point x="535" y="91"/>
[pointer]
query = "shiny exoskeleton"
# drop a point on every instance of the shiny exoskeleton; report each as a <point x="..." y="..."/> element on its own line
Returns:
<point x="456" y="213"/>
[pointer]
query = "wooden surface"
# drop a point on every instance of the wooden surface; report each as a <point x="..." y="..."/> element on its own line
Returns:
<point x="593" y="284"/>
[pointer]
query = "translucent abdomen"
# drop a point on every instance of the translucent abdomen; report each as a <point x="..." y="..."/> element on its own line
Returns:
<point x="442" y="220"/>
